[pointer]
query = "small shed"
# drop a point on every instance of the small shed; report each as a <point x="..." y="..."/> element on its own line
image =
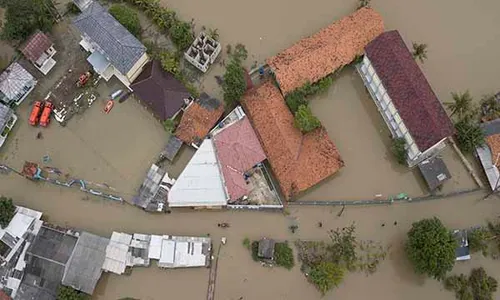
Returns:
<point x="174" y="144"/>
<point x="266" y="248"/>
<point x="435" y="172"/>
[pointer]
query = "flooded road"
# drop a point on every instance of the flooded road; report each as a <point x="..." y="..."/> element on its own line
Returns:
<point x="118" y="148"/>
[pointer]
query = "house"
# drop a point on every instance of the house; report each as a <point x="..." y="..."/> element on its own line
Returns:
<point x="489" y="154"/>
<point x="15" y="84"/>
<point x="200" y="184"/>
<point x="39" y="49"/>
<point x="84" y="267"/>
<point x="266" y="249"/>
<point x="321" y="54"/>
<point x="404" y="97"/>
<point x="462" y="252"/>
<point x="162" y="93"/>
<point x="435" y="172"/>
<point x="238" y="151"/>
<point x="180" y="251"/>
<point x="198" y="119"/>
<point x="7" y="120"/>
<point x="153" y="191"/>
<point x="114" y="50"/>
<point x="203" y="52"/>
<point x="298" y="161"/>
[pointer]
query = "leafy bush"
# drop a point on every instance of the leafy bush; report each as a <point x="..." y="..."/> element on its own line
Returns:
<point x="255" y="251"/>
<point x="7" y="211"/>
<point x="71" y="8"/>
<point x="469" y="135"/>
<point x="294" y="100"/>
<point x="169" y="125"/>
<point x="67" y="293"/>
<point x="460" y="285"/>
<point x="127" y="17"/>
<point x="305" y="120"/>
<point x="234" y="83"/>
<point x="283" y="255"/>
<point x="398" y="148"/>
<point x="478" y="240"/>
<point x="326" y="275"/>
<point x="181" y="34"/>
<point x="246" y="243"/>
<point x="478" y="286"/>
<point x="363" y="3"/>
<point x="169" y="62"/>
<point x="431" y="248"/>
<point x="23" y="17"/>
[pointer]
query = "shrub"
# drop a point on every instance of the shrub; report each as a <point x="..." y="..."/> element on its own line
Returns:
<point x="478" y="240"/>
<point x="363" y="3"/>
<point x="398" y="148"/>
<point x="246" y="243"/>
<point x="305" y="120"/>
<point x="431" y="248"/>
<point x="169" y="62"/>
<point x="67" y="293"/>
<point x="7" y="211"/>
<point x="234" y="85"/>
<point x="283" y="255"/>
<point x="294" y="100"/>
<point x="469" y="135"/>
<point x="127" y="17"/>
<point x="23" y="17"/>
<point x="478" y="286"/>
<point x="255" y="250"/>
<point x="169" y="125"/>
<point x="181" y="34"/>
<point x="71" y="8"/>
<point x="326" y="275"/>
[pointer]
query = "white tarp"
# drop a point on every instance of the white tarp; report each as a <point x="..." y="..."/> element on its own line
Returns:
<point x="201" y="183"/>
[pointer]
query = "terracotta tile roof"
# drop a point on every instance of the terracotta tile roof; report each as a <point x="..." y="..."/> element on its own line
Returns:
<point x="298" y="161"/>
<point x="198" y="119"/>
<point x="411" y="93"/>
<point x="238" y="150"/>
<point x="4" y="296"/>
<point x="36" y="45"/>
<point x="314" y="57"/>
<point x="160" y="90"/>
<point x="493" y="142"/>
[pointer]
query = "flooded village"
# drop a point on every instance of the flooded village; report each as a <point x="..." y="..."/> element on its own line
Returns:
<point x="153" y="165"/>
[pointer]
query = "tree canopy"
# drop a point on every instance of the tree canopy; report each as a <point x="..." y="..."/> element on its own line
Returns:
<point x="420" y="51"/>
<point x="431" y="248"/>
<point x="305" y="120"/>
<point x="67" y="293"/>
<point x="24" y="17"/>
<point x="461" y="104"/>
<point x="326" y="275"/>
<point x="127" y="17"/>
<point x="234" y="83"/>
<point x="7" y="210"/>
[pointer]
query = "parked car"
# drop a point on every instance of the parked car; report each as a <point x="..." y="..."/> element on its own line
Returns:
<point x="47" y="110"/>
<point x="35" y="113"/>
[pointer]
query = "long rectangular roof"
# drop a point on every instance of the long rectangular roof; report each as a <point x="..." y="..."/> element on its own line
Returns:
<point x="201" y="182"/>
<point x="314" y="57"/>
<point x="409" y="90"/>
<point x="116" y="43"/>
<point x="299" y="161"/>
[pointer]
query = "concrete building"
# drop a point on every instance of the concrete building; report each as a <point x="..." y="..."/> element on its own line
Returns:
<point x="203" y="52"/>
<point x="180" y="251"/>
<point x="15" y="84"/>
<point x="114" y="50"/>
<point x="39" y="49"/>
<point x="7" y="121"/>
<point x="404" y="97"/>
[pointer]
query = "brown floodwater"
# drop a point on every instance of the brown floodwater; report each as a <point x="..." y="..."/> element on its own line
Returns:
<point x="118" y="148"/>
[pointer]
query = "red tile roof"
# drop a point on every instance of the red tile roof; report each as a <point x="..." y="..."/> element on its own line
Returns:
<point x="315" y="57"/>
<point x="36" y="45"/>
<point x="411" y="93"/>
<point x="198" y="119"/>
<point x="298" y="161"/>
<point x="238" y="150"/>
<point x="4" y="296"/>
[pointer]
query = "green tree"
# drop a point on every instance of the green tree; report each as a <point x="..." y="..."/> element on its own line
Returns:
<point x="482" y="285"/>
<point x="7" y="211"/>
<point x="169" y="62"/>
<point x="490" y="107"/>
<point x="420" y="52"/>
<point x="398" y="148"/>
<point x="67" y="293"/>
<point x="461" y="105"/>
<point x="234" y="84"/>
<point x="478" y="240"/>
<point x="326" y="275"/>
<point x="431" y="248"/>
<point x="469" y="135"/>
<point x="127" y="17"/>
<point x="305" y="120"/>
<point x="181" y="34"/>
<point x="294" y="100"/>
<point x="169" y="125"/>
<point x="23" y="17"/>
<point x="283" y="255"/>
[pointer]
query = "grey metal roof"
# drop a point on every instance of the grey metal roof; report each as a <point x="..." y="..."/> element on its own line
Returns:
<point x="5" y="114"/>
<point x="116" y="43"/>
<point x="53" y="245"/>
<point x="266" y="248"/>
<point x="491" y="128"/>
<point x="30" y="289"/>
<point x="173" y="146"/>
<point x="84" y="268"/>
<point x="434" y="171"/>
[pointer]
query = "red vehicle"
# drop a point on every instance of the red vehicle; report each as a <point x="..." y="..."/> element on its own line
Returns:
<point x="35" y="113"/>
<point x="109" y="106"/>
<point x="47" y="110"/>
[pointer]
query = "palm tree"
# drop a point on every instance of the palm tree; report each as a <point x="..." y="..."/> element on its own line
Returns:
<point x="419" y="51"/>
<point x="461" y="105"/>
<point x="363" y="3"/>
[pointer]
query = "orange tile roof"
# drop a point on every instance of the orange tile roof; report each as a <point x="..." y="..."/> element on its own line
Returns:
<point x="298" y="161"/>
<point x="315" y="57"/>
<point x="493" y="142"/>
<point x="197" y="121"/>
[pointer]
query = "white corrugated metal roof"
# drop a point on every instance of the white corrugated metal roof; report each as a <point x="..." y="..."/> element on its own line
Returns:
<point x="19" y="225"/>
<point x="201" y="183"/>
<point x="155" y="247"/>
<point x="167" y="252"/>
<point x="492" y="172"/>
<point x="13" y="80"/>
<point x="121" y="238"/>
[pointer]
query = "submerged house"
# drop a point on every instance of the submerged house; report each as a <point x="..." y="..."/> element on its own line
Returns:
<point x="39" y="49"/>
<point x="321" y="54"/>
<point x="203" y="52"/>
<point x="180" y="251"/>
<point x="160" y="91"/>
<point x="404" y="97"/>
<point x="7" y="120"/>
<point x="489" y="154"/>
<point x="198" y="119"/>
<point x="114" y="50"/>
<point x="15" y="84"/>
<point x="298" y="161"/>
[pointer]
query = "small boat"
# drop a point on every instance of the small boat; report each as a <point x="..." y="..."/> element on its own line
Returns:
<point x="109" y="106"/>
<point x="115" y="94"/>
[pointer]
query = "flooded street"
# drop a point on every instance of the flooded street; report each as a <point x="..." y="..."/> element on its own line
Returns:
<point x="118" y="149"/>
